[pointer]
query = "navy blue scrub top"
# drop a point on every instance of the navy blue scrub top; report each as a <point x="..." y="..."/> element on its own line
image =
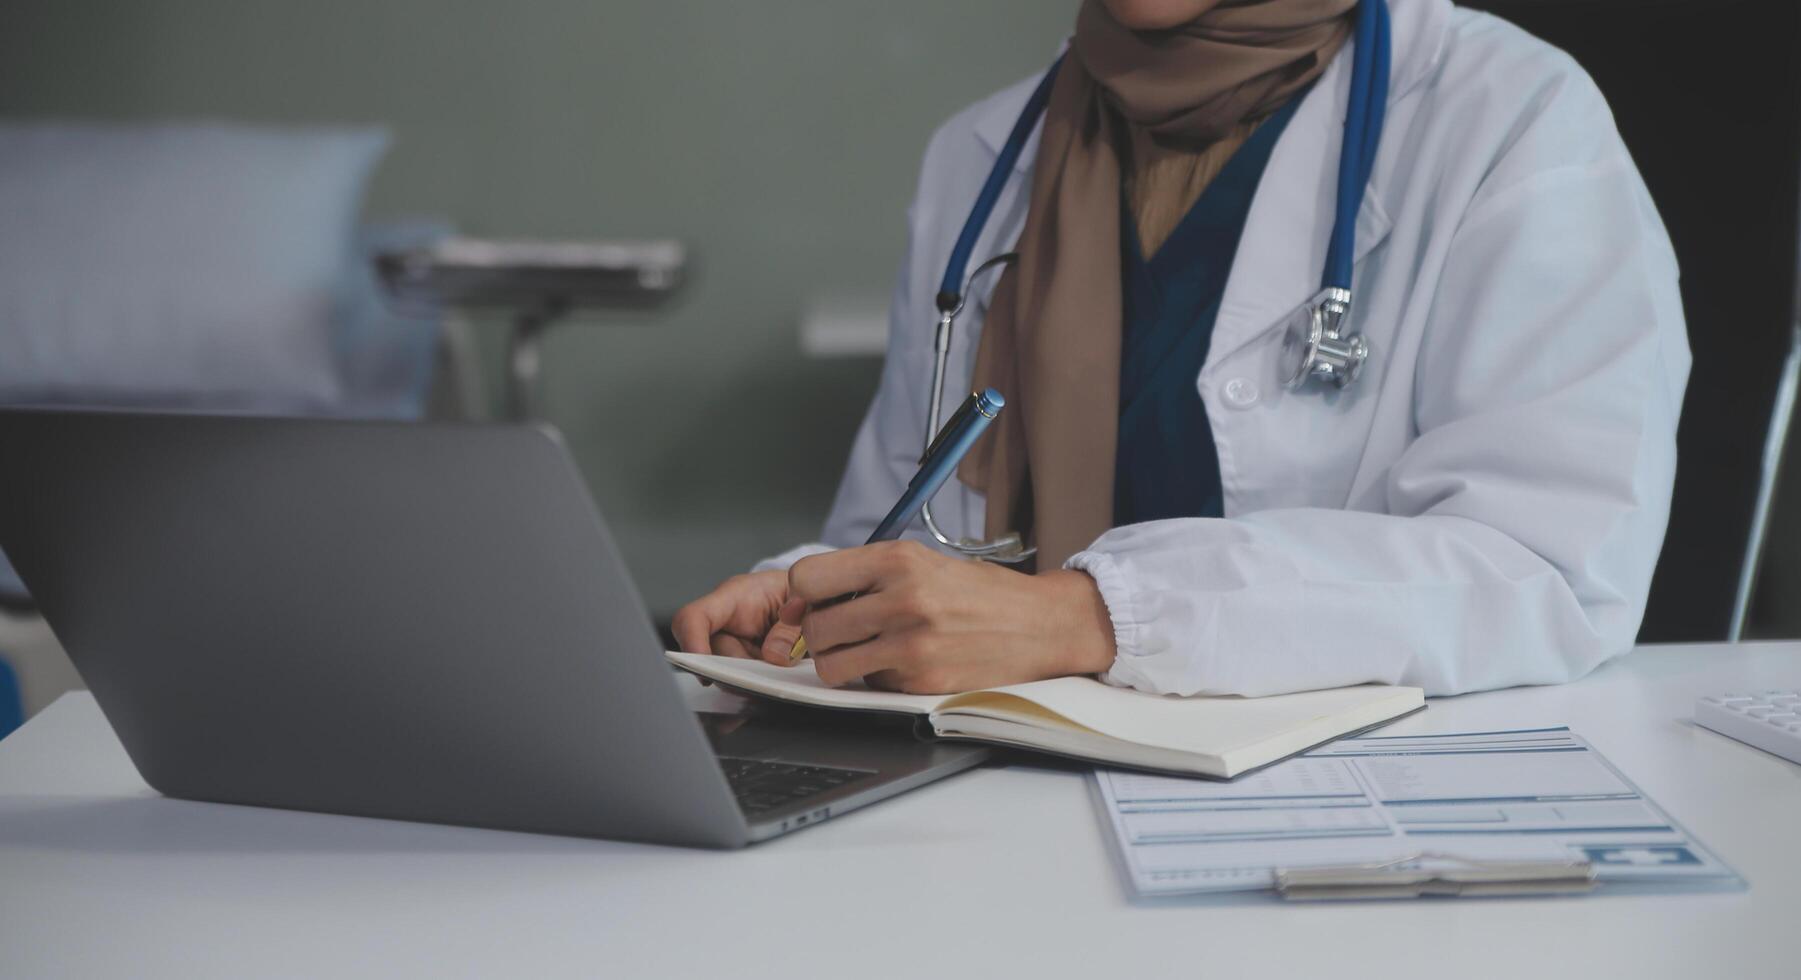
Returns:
<point x="1166" y="464"/>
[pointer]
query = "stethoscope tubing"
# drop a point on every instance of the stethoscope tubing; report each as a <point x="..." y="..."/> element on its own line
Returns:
<point x="1365" y="113"/>
<point x="950" y="288"/>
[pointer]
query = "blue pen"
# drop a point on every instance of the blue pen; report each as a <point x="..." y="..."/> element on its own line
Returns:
<point x="941" y="458"/>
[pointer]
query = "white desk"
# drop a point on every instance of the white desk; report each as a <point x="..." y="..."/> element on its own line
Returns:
<point x="1000" y="872"/>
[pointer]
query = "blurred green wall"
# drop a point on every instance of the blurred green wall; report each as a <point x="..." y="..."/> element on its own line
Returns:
<point x="780" y="139"/>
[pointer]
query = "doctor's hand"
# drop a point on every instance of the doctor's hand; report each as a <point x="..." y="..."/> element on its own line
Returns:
<point x="737" y="618"/>
<point x="925" y="623"/>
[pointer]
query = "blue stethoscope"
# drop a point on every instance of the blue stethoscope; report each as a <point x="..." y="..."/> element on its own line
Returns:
<point x="1316" y="346"/>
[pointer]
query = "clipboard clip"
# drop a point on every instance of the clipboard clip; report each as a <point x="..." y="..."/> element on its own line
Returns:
<point x="1432" y="873"/>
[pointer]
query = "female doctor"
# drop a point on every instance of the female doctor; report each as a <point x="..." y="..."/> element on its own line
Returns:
<point x="1233" y="485"/>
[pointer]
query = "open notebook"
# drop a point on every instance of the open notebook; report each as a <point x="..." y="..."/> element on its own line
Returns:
<point x="1219" y="737"/>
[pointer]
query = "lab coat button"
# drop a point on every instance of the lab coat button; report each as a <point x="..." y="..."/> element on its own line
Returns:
<point x="1240" y="392"/>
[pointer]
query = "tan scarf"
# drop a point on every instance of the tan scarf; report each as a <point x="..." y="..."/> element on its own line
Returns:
<point x="1052" y="338"/>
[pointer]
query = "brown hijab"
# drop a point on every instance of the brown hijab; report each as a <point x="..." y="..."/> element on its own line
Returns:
<point x="1052" y="338"/>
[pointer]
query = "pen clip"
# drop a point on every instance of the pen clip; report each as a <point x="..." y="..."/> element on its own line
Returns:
<point x="963" y="411"/>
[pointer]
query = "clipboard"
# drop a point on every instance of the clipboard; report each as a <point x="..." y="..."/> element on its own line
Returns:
<point x="1429" y="873"/>
<point x="1376" y="816"/>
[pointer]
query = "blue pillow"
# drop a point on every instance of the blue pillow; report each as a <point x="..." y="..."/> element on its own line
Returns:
<point x="387" y="349"/>
<point x="191" y="265"/>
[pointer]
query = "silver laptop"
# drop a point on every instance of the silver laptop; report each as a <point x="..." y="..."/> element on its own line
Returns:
<point x="418" y="622"/>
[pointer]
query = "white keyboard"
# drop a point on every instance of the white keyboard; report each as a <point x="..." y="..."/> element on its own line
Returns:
<point x="1770" y="720"/>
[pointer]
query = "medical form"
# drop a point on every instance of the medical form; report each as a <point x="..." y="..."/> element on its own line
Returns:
<point x="1482" y="798"/>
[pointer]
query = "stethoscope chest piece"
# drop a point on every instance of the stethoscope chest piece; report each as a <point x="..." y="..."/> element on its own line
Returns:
<point x="1315" y="346"/>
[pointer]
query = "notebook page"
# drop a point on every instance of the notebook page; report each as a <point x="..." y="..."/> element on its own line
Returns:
<point x="1205" y="725"/>
<point x="800" y="685"/>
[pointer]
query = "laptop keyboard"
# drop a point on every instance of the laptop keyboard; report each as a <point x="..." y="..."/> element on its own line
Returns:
<point x="762" y="786"/>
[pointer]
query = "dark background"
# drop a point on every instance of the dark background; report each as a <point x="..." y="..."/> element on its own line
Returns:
<point x="1707" y="94"/>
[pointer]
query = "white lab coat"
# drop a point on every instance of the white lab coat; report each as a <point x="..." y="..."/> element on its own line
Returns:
<point x="1484" y="507"/>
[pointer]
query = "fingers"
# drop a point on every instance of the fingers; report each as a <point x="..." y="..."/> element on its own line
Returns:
<point x="877" y="656"/>
<point x="727" y="645"/>
<point x="779" y="642"/>
<point x="731" y="619"/>
<point x="778" y="645"/>
<point x="696" y="622"/>
<point x="884" y="680"/>
<point x="843" y="623"/>
<point x="821" y="577"/>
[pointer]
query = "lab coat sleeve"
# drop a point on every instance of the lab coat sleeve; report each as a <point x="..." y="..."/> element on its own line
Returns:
<point x="1521" y="526"/>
